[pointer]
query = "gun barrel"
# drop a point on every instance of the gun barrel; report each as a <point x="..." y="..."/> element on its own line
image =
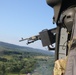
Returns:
<point x="23" y="39"/>
<point x="33" y="38"/>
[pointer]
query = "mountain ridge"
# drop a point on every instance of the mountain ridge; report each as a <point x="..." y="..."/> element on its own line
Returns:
<point x="23" y="48"/>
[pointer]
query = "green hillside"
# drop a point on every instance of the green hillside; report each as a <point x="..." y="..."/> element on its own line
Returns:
<point x="17" y="60"/>
<point x="22" y="48"/>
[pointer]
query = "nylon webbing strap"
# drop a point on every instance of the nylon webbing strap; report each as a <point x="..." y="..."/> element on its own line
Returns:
<point x="73" y="34"/>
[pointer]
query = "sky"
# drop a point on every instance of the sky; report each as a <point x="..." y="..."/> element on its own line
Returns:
<point x="24" y="18"/>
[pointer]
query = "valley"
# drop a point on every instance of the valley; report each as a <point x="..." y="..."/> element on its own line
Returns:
<point x="16" y="60"/>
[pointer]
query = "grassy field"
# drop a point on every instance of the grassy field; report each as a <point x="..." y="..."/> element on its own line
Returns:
<point x="7" y="57"/>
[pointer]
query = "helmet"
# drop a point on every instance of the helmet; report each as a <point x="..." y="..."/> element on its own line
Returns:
<point x="52" y="3"/>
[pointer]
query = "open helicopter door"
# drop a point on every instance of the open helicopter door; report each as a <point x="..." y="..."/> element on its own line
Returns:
<point x="65" y="20"/>
<point x="61" y="34"/>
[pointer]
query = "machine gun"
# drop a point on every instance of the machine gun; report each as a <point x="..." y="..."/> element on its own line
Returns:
<point x="46" y="36"/>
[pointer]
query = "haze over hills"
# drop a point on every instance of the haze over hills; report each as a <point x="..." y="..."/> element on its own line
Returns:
<point x="6" y="46"/>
